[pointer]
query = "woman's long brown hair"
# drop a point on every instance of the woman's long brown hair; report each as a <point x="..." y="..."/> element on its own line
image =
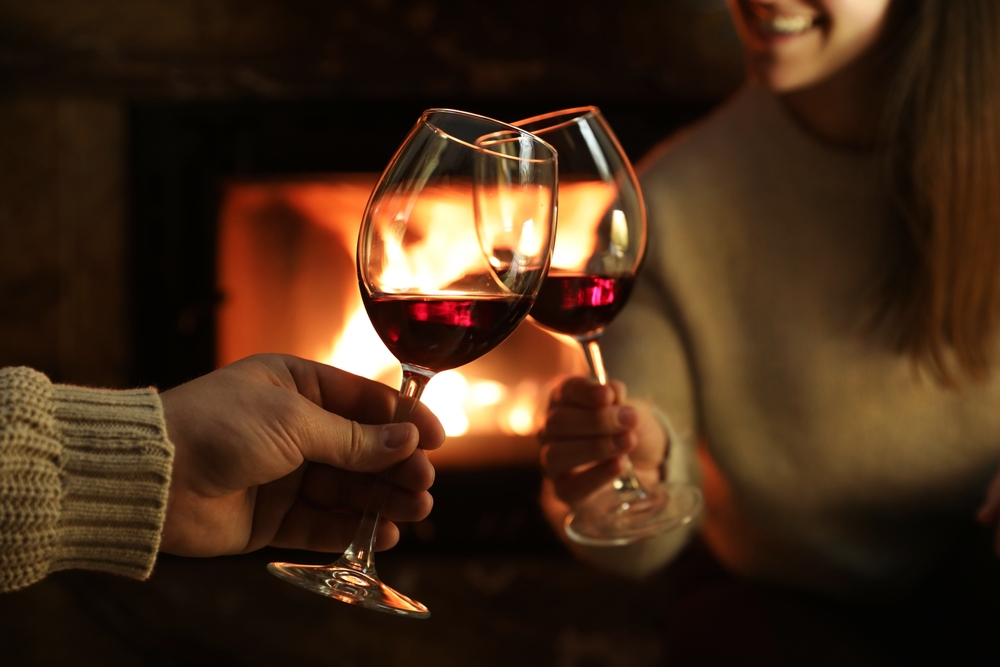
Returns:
<point x="943" y="131"/>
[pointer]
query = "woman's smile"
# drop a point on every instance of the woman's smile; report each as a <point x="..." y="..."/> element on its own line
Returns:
<point x="792" y="44"/>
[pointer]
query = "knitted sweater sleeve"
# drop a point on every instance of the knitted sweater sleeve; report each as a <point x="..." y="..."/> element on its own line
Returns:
<point x="84" y="476"/>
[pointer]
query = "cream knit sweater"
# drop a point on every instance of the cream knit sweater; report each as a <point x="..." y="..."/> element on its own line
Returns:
<point x="84" y="475"/>
<point x="830" y="461"/>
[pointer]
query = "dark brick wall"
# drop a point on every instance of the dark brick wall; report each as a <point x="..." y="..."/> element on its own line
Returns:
<point x="383" y="48"/>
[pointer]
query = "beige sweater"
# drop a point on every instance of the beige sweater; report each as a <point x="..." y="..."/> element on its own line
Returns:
<point x="831" y="462"/>
<point x="84" y="475"/>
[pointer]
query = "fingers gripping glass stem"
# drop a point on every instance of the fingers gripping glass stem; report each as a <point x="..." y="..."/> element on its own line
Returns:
<point x="352" y="578"/>
<point x="626" y="482"/>
<point x="628" y="512"/>
<point x="361" y="552"/>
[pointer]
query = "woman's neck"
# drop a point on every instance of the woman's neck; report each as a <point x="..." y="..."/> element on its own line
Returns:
<point x="843" y="110"/>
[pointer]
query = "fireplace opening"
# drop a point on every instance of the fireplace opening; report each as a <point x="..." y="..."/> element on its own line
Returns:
<point x="286" y="273"/>
<point x="242" y="236"/>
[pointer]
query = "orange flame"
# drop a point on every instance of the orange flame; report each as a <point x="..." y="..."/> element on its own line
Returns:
<point x="464" y="403"/>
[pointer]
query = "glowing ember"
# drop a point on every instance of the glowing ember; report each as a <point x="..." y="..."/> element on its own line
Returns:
<point x="445" y="396"/>
<point x="520" y="420"/>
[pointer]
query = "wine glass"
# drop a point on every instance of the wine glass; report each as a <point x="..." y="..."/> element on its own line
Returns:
<point x="598" y="251"/>
<point x="453" y="246"/>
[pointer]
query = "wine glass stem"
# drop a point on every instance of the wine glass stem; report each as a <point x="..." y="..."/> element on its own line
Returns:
<point x="360" y="555"/>
<point x="627" y="482"/>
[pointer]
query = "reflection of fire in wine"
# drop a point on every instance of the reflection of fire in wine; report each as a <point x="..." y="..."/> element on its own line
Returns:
<point x="442" y="333"/>
<point x="580" y="305"/>
<point x="289" y="235"/>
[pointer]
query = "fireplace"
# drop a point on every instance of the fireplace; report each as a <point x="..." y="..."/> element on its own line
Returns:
<point x="243" y="237"/>
<point x="134" y="132"/>
<point x="285" y="270"/>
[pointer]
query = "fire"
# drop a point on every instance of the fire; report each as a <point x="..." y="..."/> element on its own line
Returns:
<point x="466" y="403"/>
<point x="420" y="257"/>
<point x="450" y="395"/>
<point x="453" y="397"/>
<point x="440" y="255"/>
<point x="436" y="254"/>
<point x="359" y="350"/>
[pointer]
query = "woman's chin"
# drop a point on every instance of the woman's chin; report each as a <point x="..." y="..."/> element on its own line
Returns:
<point x="783" y="79"/>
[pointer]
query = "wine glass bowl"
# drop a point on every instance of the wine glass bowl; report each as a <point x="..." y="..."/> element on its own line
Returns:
<point x="449" y="269"/>
<point x="599" y="249"/>
<point x="453" y="247"/>
<point x="602" y="225"/>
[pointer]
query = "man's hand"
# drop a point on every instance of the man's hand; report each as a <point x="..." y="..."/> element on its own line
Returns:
<point x="274" y="450"/>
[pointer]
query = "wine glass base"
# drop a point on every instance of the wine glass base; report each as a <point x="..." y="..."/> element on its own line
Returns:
<point x="616" y="518"/>
<point x="349" y="585"/>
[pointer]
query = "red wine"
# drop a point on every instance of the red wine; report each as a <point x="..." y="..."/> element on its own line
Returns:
<point x="439" y="333"/>
<point x="577" y="304"/>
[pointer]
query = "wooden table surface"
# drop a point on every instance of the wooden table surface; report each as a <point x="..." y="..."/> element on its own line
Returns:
<point x="502" y="591"/>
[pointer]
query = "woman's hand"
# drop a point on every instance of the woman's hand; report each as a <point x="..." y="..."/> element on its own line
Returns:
<point x="588" y="428"/>
<point x="280" y="451"/>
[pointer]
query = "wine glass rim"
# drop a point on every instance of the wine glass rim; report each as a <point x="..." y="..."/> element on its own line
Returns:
<point x="502" y="127"/>
<point x="573" y="115"/>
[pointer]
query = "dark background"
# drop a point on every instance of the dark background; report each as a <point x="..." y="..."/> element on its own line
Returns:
<point x="120" y="120"/>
